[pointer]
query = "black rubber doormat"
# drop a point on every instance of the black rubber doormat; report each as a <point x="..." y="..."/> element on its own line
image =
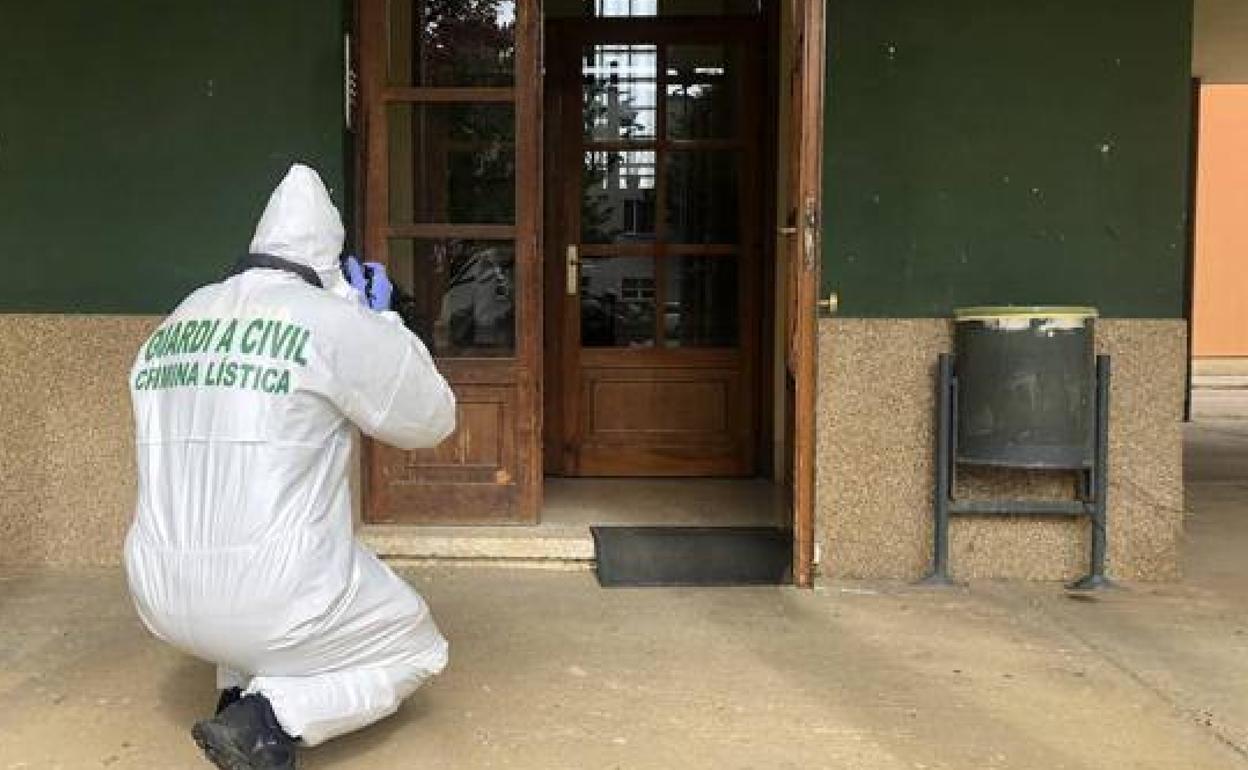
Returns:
<point x="693" y="556"/>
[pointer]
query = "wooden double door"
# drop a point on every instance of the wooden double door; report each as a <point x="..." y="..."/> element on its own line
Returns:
<point x="653" y="246"/>
<point x="634" y="331"/>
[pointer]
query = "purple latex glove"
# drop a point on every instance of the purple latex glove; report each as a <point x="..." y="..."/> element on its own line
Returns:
<point x="379" y="287"/>
<point x="354" y="272"/>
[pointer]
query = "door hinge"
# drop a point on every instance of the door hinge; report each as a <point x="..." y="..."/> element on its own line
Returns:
<point x="350" y="83"/>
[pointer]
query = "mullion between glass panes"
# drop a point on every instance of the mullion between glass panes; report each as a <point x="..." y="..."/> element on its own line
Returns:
<point x="660" y="197"/>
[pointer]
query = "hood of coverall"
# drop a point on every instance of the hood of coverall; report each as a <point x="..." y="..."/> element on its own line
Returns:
<point x="301" y="224"/>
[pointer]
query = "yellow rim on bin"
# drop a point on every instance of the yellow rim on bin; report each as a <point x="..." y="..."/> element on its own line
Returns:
<point x="1024" y="313"/>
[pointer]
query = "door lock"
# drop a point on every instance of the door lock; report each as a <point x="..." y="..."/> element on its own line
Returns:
<point x="572" y="265"/>
<point x="810" y="232"/>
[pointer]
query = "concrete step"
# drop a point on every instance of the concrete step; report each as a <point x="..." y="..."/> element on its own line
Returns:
<point x="545" y="542"/>
<point x="1219" y="382"/>
<point x="570" y="506"/>
<point x="1225" y="403"/>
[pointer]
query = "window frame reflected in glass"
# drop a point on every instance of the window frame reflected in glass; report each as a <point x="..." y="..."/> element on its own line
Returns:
<point x="613" y="90"/>
<point x="626" y="317"/>
<point x="602" y="180"/>
<point x="649" y="9"/>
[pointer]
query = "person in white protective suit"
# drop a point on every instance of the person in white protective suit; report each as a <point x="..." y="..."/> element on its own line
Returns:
<point x="241" y="551"/>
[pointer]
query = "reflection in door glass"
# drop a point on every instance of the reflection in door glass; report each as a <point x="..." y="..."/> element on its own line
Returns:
<point x="625" y="8"/>
<point x="452" y="162"/>
<point x="617" y="197"/>
<point x="701" y="302"/>
<point x="617" y="302"/>
<point x="702" y="195"/>
<point x="458" y="296"/>
<point x="702" y="91"/>
<point x="451" y="43"/>
<point x="620" y="88"/>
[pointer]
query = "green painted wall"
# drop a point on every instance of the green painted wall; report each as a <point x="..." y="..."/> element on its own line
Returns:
<point x="1021" y="151"/>
<point x="139" y="140"/>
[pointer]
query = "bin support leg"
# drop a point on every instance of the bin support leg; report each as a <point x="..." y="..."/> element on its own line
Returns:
<point x="1100" y="483"/>
<point x="939" y="574"/>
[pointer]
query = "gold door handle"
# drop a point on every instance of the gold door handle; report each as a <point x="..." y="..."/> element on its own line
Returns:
<point x="572" y="265"/>
<point x="831" y="304"/>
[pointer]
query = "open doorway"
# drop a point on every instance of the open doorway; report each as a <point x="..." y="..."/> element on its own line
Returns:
<point x="660" y="304"/>
<point x="1219" y="273"/>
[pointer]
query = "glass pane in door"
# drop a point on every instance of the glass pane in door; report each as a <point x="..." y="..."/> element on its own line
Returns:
<point x="617" y="302"/>
<point x="702" y="91"/>
<point x="644" y="8"/>
<point x="457" y="295"/>
<point x="702" y="196"/>
<point x="451" y="43"/>
<point x="452" y="163"/>
<point x="620" y="87"/>
<point x="618" y="197"/>
<point x="701" y="301"/>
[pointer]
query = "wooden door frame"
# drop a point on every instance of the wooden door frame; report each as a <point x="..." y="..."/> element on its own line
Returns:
<point x="562" y="403"/>
<point x="523" y="371"/>
<point x="807" y="127"/>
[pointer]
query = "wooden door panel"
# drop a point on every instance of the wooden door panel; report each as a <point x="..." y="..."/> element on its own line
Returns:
<point x="471" y="477"/>
<point x="482" y="448"/>
<point x="656" y="406"/>
<point x="662" y="422"/>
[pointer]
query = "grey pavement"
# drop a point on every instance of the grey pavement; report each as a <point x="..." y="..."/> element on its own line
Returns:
<point x="550" y="671"/>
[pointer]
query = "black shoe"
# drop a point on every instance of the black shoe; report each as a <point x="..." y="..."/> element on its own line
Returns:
<point x="229" y="696"/>
<point x="246" y="736"/>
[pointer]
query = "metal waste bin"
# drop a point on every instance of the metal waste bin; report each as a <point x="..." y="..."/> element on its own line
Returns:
<point x="1025" y="386"/>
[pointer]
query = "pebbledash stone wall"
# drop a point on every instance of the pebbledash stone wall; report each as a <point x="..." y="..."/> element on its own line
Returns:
<point x="67" y="453"/>
<point x="66" y="436"/>
<point x="67" y="473"/>
<point x="876" y="413"/>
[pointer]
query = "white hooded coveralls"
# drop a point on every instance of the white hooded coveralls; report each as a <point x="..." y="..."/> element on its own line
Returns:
<point x="241" y="551"/>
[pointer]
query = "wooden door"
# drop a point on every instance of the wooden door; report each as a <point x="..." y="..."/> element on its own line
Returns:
<point x="805" y="128"/>
<point x="658" y="258"/>
<point x="450" y="92"/>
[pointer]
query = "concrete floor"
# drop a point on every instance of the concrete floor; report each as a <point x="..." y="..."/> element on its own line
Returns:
<point x="571" y="506"/>
<point x="549" y="671"/>
<point x="662" y="502"/>
<point x="1222" y="396"/>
